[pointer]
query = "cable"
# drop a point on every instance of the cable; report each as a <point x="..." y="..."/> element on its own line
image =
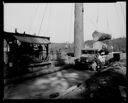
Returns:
<point x="117" y="13"/>
<point x="42" y="18"/>
<point x="36" y="8"/>
<point x="122" y="9"/>
<point x="108" y="22"/>
<point x="122" y="14"/>
<point x="70" y="20"/>
<point x="47" y="29"/>
<point x="95" y="24"/>
<point x="97" y="15"/>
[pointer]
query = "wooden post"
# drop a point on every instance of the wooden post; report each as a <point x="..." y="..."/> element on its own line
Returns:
<point x="78" y="29"/>
<point x="47" y="52"/>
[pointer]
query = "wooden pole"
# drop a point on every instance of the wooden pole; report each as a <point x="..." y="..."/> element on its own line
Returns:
<point x="78" y="29"/>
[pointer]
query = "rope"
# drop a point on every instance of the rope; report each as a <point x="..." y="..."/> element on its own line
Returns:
<point x="42" y="18"/>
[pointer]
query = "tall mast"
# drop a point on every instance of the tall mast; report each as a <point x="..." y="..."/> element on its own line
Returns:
<point x="78" y="29"/>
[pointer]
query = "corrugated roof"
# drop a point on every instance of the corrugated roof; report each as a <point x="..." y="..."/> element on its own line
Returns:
<point x="34" y="40"/>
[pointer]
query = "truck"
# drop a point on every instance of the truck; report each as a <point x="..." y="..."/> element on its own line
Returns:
<point x="92" y="59"/>
<point x="88" y="59"/>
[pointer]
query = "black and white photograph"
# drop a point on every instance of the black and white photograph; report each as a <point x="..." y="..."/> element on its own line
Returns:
<point x="57" y="51"/>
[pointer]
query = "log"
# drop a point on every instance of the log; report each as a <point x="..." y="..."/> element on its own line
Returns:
<point x="98" y="36"/>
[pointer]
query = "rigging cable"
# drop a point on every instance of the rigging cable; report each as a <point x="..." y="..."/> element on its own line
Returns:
<point x="95" y="23"/>
<point x="46" y="23"/>
<point x="108" y="22"/>
<point x="70" y="20"/>
<point x="97" y="20"/>
<point x="123" y="15"/>
<point x="36" y="8"/>
<point x="117" y="14"/>
<point x="122" y="10"/>
<point x="49" y="21"/>
<point x="43" y="18"/>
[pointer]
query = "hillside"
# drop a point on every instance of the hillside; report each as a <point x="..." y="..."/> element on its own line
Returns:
<point x="118" y="44"/>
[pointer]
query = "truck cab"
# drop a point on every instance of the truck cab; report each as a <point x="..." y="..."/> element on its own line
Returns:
<point x="87" y="58"/>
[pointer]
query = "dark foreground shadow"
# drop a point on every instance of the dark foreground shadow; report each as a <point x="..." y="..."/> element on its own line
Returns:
<point x="103" y="87"/>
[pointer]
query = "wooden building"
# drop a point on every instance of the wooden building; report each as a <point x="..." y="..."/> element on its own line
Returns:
<point x="23" y="51"/>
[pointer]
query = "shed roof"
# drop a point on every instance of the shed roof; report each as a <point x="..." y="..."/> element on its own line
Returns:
<point x="33" y="40"/>
<point x="28" y="38"/>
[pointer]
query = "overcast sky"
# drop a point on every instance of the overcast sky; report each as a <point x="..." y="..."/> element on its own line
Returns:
<point x="58" y="19"/>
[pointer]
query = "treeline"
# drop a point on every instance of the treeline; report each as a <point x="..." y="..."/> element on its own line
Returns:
<point x="118" y="44"/>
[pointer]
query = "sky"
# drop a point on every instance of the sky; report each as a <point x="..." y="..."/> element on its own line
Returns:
<point x="56" y="20"/>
